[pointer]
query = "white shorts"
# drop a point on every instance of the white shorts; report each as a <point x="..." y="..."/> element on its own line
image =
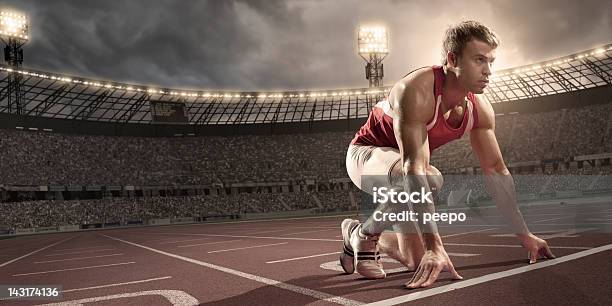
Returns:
<point x="378" y="163"/>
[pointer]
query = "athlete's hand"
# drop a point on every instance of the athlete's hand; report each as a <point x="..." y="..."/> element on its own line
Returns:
<point x="432" y="263"/>
<point x="536" y="247"/>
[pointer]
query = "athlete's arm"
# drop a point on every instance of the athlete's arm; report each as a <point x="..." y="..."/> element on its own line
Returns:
<point x="499" y="181"/>
<point x="411" y="111"/>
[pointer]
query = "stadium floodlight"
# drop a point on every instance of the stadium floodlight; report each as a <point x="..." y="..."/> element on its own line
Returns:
<point x="373" y="47"/>
<point x="14" y="34"/>
<point x="13" y="25"/>
<point x="372" y="40"/>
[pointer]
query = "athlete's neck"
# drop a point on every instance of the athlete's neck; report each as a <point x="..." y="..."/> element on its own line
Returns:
<point x="453" y="93"/>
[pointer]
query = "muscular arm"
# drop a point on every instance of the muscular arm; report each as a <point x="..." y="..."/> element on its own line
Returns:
<point x="412" y="107"/>
<point x="498" y="180"/>
<point x="412" y="103"/>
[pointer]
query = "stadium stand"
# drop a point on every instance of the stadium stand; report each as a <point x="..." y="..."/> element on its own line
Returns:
<point x="31" y="158"/>
<point x="553" y="124"/>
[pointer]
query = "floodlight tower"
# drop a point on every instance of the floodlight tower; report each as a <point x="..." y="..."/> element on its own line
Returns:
<point x="373" y="48"/>
<point x="14" y="34"/>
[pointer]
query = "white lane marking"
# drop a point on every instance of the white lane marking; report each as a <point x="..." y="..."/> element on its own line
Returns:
<point x="207" y="243"/>
<point x="317" y="226"/>
<point x="335" y="266"/>
<point x="269" y="231"/>
<point x="74" y="269"/>
<point x="470" y="232"/>
<point x="301" y="290"/>
<point x="538" y="224"/>
<point x="303" y="257"/>
<point x="33" y="252"/>
<point x="570" y="233"/>
<point x="305" y="232"/>
<point x="462" y="254"/>
<point x="249" y="247"/>
<point x="598" y="219"/>
<point x="83" y="248"/>
<point x="80" y="252"/>
<point x="238" y="228"/>
<point x="537" y="233"/>
<point x="552" y="219"/>
<point x="271" y="220"/>
<point x="77" y="258"/>
<point x="489" y="277"/>
<point x="266" y="229"/>
<point x="530" y="215"/>
<point x="186" y="240"/>
<point x="332" y="253"/>
<point x="175" y="297"/>
<point x="119" y="284"/>
<point x="513" y="246"/>
<point x="254" y="237"/>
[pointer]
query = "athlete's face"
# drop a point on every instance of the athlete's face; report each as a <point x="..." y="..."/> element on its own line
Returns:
<point x="475" y="66"/>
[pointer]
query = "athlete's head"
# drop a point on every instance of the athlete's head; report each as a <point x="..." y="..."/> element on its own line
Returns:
<point x="468" y="51"/>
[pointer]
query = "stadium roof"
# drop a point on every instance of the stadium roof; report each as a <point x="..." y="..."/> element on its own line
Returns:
<point x="53" y="95"/>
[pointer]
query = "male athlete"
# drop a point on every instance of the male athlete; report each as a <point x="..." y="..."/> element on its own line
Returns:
<point x="428" y="108"/>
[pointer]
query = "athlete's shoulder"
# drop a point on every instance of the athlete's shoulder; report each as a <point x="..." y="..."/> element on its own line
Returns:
<point x="486" y="114"/>
<point x="414" y="91"/>
<point x="422" y="78"/>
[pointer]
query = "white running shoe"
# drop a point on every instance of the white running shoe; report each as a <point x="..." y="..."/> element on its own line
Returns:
<point x="347" y="258"/>
<point x="367" y="258"/>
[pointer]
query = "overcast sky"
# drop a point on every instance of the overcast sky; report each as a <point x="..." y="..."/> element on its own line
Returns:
<point x="273" y="45"/>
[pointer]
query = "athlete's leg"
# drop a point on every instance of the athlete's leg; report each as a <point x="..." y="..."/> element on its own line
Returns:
<point x="361" y="252"/>
<point x="407" y="246"/>
<point x="381" y="167"/>
<point x="370" y="167"/>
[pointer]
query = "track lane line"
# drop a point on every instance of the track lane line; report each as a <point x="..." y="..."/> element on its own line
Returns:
<point x="313" y="231"/>
<point x="80" y="252"/>
<point x="470" y="232"/>
<point x="179" y="241"/>
<point x="489" y="277"/>
<point x="514" y="246"/>
<point x="246" y="236"/>
<point x="83" y="248"/>
<point x="303" y="257"/>
<point x="206" y="243"/>
<point x="75" y="269"/>
<point x="319" y="295"/>
<point x="77" y="258"/>
<point x="119" y="284"/>
<point x="249" y="247"/>
<point x="33" y="252"/>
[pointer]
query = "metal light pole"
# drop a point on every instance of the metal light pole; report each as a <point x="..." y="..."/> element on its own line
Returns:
<point x="14" y="34"/>
<point x="373" y="47"/>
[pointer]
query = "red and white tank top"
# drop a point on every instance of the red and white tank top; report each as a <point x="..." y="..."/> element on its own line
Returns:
<point x="378" y="129"/>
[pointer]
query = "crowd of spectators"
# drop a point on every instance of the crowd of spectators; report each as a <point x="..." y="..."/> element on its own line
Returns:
<point x="123" y="210"/>
<point x="42" y="158"/>
<point x="46" y="158"/>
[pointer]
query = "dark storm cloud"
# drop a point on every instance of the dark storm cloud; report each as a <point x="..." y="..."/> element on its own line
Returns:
<point x="174" y="43"/>
<point x="270" y="44"/>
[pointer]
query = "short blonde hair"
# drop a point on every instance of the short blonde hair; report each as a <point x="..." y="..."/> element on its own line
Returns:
<point x="457" y="37"/>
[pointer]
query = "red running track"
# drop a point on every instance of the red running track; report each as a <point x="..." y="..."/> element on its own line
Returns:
<point x="294" y="262"/>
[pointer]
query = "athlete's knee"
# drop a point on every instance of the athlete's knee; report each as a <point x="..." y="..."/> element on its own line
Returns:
<point x="434" y="177"/>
